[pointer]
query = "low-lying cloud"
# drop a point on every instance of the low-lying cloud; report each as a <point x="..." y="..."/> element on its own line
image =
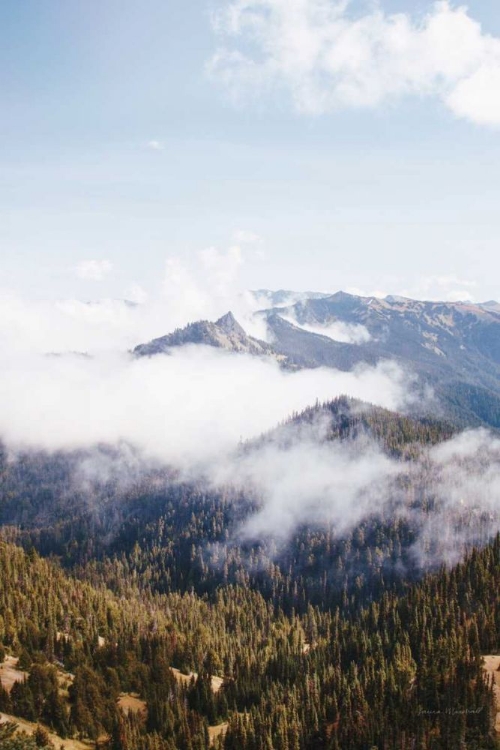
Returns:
<point x="463" y="479"/>
<point x="346" y="333"/>
<point x="449" y="496"/>
<point x="312" y="483"/>
<point x="191" y="409"/>
<point x="185" y="409"/>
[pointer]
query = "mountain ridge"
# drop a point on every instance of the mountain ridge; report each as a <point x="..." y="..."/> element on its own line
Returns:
<point x="224" y="333"/>
<point x="453" y="347"/>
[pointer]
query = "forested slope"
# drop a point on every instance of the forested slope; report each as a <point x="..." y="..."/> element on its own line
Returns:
<point x="335" y="640"/>
<point x="399" y="670"/>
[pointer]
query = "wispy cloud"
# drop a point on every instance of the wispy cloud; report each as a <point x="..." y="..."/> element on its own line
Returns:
<point x="93" y="270"/>
<point x="438" y="288"/>
<point x="245" y="237"/>
<point x="155" y="145"/>
<point x="299" y="477"/>
<point x="327" y="57"/>
<point x="202" y="285"/>
<point x="311" y="482"/>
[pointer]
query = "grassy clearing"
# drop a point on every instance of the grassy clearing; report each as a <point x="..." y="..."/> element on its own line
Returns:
<point x="29" y="728"/>
<point x="217" y="682"/>
<point x="491" y="667"/>
<point x="216" y="731"/>
<point x="9" y="674"/>
<point x="131" y="703"/>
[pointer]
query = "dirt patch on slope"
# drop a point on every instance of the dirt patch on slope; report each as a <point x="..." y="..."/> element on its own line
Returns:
<point x="131" y="703"/>
<point x="29" y="728"/>
<point x="217" y="682"/>
<point x="9" y="674"/>
<point x="216" y="731"/>
<point x="491" y="667"/>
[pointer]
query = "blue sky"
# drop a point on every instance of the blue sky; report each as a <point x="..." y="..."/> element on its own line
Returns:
<point x="133" y="133"/>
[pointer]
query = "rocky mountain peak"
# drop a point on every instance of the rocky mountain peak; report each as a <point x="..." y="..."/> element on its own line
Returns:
<point x="229" y="324"/>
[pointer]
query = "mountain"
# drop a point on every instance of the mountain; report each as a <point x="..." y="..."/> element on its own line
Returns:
<point x="490" y="305"/>
<point x="434" y="333"/>
<point x="225" y="333"/>
<point x="138" y="616"/>
<point x="306" y="348"/>
<point x="454" y="347"/>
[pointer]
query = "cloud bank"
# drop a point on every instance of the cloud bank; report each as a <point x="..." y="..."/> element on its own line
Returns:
<point x="311" y="483"/>
<point x="449" y="496"/>
<point x="186" y="409"/>
<point x="190" y="410"/>
<point x="327" y="56"/>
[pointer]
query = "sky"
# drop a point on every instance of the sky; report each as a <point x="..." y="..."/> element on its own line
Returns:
<point x="306" y="144"/>
<point x="176" y="154"/>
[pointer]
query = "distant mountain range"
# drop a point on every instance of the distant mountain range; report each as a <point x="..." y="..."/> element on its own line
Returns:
<point x="454" y="347"/>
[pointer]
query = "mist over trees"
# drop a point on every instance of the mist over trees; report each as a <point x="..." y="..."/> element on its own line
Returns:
<point x="331" y="637"/>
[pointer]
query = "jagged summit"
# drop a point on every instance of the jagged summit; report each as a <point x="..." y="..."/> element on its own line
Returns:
<point x="225" y="333"/>
<point x="453" y="348"/>
<point x="229" y="324"/>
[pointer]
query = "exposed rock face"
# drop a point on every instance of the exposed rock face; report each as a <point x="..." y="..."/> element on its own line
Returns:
<point x="225" y="333"/>
<point x="438" y="334"/>
<point x="454" y="347"/>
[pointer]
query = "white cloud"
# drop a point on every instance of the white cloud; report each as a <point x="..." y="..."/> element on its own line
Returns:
<point x="137" y="294"/>
<point x="155" y="145"/>
<point x="299" y="477"/>
<point x="327" y="57"/>
<point x="222" y="267"/>
<point x="446" y="288"/>
<point x="166" y="405"/>
<point x="186" y="409"/>
<point x="462" y="476"/>
<point x="313" y="483"/>
<point x="477" y="97"/>
<point x="204" y="286"/>
<point x="346" y="333"/>
<point x="93" y="270"/>
<point x="243" y="237"/>
<point x="435" y="288"/>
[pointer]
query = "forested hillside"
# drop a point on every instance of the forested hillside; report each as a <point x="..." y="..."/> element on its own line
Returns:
<point x="332" y="639"/>
<point x="235" y="516"/>
<point x="400" y="670"/>
<point x="173" y="535"/>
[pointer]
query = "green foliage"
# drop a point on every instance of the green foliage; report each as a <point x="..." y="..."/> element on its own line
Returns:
<point x="397" y="668"/>
<point x="10" y="740"/>
<point x="335" y="643"/>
